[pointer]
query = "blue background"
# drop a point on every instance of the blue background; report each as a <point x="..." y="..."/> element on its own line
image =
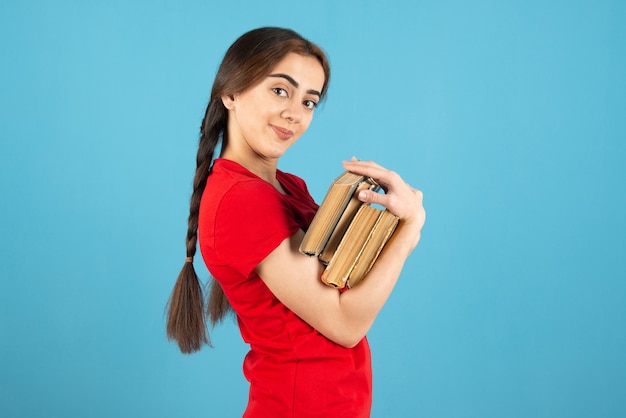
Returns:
<point x="509" y="116"/>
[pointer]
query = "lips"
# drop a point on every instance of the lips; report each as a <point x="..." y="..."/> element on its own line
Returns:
<point x="282" y="133"/>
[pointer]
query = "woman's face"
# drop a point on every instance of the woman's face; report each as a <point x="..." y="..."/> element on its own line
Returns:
<point x="266" y="119"/>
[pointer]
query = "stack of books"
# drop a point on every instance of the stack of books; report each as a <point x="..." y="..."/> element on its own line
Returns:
<point x="346" y="234"/>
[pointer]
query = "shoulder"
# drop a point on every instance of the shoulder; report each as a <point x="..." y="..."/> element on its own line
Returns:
<point x="231" y="181"/>
<point x="245" y="199"/>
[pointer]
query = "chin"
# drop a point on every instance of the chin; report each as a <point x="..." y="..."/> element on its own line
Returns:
<point x="277" y="153"/>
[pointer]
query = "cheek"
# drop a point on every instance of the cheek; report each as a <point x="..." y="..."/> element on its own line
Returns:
<point x="306" y="121"/>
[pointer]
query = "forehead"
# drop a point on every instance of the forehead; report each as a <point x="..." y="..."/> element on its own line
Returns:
<point x="305" y="70"/>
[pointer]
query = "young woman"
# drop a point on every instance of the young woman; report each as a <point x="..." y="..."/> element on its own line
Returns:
<point x="308" y="353"/>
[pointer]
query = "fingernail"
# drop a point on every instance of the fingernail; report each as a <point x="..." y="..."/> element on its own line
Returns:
<point x="362" y="194"/>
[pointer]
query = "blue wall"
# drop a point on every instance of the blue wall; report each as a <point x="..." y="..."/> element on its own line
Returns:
<point x="509" y="116"/>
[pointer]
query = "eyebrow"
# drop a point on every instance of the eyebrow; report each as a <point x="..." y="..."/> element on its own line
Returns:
<point x="294" y="83"/>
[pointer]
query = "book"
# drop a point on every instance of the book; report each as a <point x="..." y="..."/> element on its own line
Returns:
<point x="346" y="234"/>
<point x="361" y="245"/>
<point x="334" y="214"/>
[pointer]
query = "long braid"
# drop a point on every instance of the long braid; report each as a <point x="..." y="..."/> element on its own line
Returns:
<point x="186" y="321"/>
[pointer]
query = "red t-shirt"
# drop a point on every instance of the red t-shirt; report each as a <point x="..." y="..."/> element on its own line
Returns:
<point x="293" y="370"/>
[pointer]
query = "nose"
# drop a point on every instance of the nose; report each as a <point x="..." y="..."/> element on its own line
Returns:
<point x="292" y="111"/>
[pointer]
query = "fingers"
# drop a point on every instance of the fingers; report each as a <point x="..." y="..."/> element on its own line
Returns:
<point x="369" y="168"/>
<point x="356" y="164"/>
<point x="399" y="198"/>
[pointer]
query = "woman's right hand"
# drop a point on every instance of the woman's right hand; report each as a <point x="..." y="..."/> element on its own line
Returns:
<point x="399" y="198"/>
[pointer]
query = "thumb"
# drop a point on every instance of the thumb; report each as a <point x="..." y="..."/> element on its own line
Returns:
<point x="369" y="196"/>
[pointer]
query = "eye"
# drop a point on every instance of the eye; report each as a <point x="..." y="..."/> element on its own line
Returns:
<point x="279" y="91"/>
<point x="310" y="104"/>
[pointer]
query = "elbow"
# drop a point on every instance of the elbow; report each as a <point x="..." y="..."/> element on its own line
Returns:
<point x="350" y="343"/>
<point x="343" y="329"/>
<point x="347" y="338"/>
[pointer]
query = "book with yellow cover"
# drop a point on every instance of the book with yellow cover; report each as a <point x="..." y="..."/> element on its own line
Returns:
<point x="347" y="234"/>
<point x="365" y="238"/>
<point x="334" y="214"/>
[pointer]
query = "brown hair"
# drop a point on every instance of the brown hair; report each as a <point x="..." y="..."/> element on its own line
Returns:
<point x="246" y="63"/>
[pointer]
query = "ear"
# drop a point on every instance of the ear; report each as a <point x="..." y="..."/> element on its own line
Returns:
<point x="229" y="101"/>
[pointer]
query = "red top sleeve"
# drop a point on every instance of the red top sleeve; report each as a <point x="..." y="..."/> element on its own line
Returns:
<point x="251" y="221"/>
